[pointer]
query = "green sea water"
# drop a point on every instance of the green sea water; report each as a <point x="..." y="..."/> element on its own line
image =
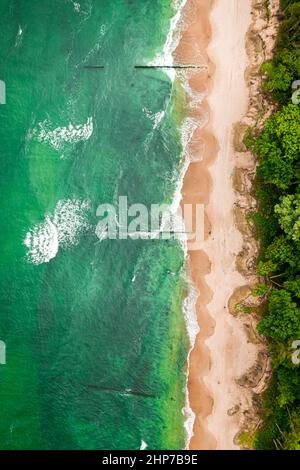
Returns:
<point x="96" y="342"/>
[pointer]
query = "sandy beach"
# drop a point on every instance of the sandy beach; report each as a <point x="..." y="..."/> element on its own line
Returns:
<point x="215" y="36"/>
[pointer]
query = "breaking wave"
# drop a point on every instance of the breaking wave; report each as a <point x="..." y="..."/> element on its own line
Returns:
<point x="62" y="229"/>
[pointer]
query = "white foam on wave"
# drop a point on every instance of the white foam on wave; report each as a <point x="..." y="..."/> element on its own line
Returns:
<point x="62" y="229"/>
<point x="195" y="98"/>
<point x="156" y="118"/>
<point x="102" y="30"/>
<point x="19" y="36"/>
<point x="76" y="6"/>
<point x="189" y="309"/>
<point x="61" y="135"/>
<point x="172" y="41"/>
<point x="42" y="242"/>
<point x="188" y="128"/>
<point x="189" y="303"/>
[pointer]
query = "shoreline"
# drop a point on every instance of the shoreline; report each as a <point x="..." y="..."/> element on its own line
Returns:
<point x="196" y="188"/>
<point x="217" y="35"/>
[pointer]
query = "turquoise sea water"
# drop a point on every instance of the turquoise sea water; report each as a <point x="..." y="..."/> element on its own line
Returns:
<point x="94" y="330"/>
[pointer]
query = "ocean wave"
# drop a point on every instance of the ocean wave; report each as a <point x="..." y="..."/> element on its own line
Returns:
<point x="83" y="9"/>
<point x="172" y="41"/>
<point x="195" y="97"/>
<point x="62" y="229"/>
<point x="19" y="36"/>
<point x="61" y="135"/>
<point x="42" y="242"/>
<point x="156" y="118"/>
<point x="189" y="310"/>
<point x="188" y="128"/>
<point x="76" y="6"/>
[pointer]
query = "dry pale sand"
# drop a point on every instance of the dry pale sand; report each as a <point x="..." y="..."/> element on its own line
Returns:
<point x="215" y="34"/>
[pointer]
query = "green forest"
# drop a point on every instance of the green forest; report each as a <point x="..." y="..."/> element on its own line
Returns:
<point x="277" y="224"/>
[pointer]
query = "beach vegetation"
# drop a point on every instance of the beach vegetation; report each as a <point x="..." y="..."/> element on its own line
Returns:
<point x="242" y="307"/>
<point x="260" y="290"/>
<point x="277" y="226"/>
<point x="247" y="439"/>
